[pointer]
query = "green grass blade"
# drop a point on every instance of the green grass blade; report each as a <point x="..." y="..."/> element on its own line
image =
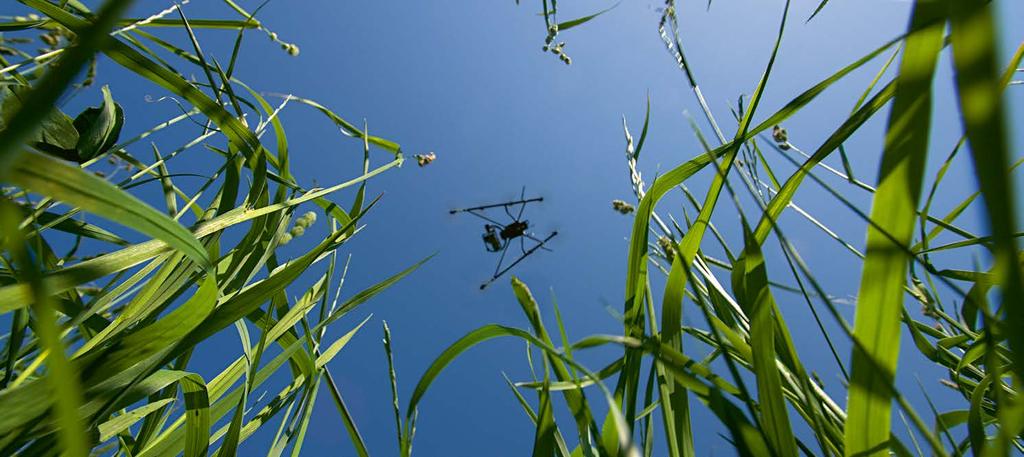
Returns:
<point x="492" y="331"/>
<point x="750" y="274"/>
<point x="335" y="347"/>
<point x="675" y="407"/>
<point x="70" y="184"/>
<point x="577" y="402"/>
<point x="544" y="437"/>
<point x="563" y="26"/>
<point x="197" y="415"/>
<point x="119" y="424"/>
<point x="981" y="105"/>
<point x="62" y="381"/>
<point x="346" y="416"/>
<point x="881" y="296"/>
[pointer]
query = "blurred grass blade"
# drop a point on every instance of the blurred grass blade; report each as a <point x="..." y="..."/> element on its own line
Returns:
<point x="981" y="105"/>
<point x="62" y="381"/>
<point x="881" y="296"/>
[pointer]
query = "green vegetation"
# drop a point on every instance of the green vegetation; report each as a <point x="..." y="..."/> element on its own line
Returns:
<point x="98" y="350"/>
<point x="963" y="327"/>
<point x="99" y="347"/>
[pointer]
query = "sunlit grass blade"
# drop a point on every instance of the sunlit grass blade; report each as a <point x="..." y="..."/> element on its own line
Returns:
<point x="577" y="402"/>
<point x="121" y="423"/>
<point x="881" y="296"/>
<point x="61" y="181"/>
<point x="492" y="331"/>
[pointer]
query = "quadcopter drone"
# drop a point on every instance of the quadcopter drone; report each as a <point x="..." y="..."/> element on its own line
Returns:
<point x="497" y="236"/>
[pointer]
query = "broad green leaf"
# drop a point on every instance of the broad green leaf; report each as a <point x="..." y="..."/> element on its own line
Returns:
<point x="99" y="128"/>
<point x="39" y="102"/>
<point x="56" y="133"/>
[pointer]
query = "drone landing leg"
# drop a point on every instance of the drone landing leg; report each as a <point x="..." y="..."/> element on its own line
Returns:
<point x="501" y="259"/>
<point x="498" y="274"/>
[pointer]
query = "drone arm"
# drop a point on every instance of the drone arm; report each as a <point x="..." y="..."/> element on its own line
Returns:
<point x="481" y="216"/>
<point x="496" y="205"/>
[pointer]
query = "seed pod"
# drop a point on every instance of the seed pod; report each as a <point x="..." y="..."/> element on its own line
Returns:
<point x="622" y="207"/>
<point x="298" y="230"/>
<point x="666" y="247"/>
<point x="285" y="239"/>
<point x="425" y="159"/>
<point x="780" y="135"/>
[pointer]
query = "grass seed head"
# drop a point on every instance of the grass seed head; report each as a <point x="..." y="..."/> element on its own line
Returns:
<point x="781" y="137"/>
<point x="425" y="159"/>
<point x="666" y="247"/>
<point x="622" y="207"/>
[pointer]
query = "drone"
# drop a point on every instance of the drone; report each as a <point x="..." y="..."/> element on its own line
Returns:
<point x="497" y="236"/>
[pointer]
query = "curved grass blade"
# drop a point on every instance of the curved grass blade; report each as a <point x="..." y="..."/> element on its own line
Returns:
<point x="492" y="331"/>
<point x="119" y="424"/>
<point x="197" y="415"/>
<point x="61" y="181"/>
<point x="577" y="402"/>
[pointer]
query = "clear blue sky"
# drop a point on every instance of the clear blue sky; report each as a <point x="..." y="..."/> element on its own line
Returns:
<point x="468" y="81"/>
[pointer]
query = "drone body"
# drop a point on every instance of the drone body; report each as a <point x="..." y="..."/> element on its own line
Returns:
<point x="498" y="236"/>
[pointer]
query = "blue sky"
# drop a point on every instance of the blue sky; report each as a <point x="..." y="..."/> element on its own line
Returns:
<point x="468" y="81"/>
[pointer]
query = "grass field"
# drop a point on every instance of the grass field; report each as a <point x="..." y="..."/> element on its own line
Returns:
<point x="98" y="355"/>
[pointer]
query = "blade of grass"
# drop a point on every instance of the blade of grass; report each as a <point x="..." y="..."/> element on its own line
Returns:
<point x="881" y="296"/>
<point x="981" y="105"/>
